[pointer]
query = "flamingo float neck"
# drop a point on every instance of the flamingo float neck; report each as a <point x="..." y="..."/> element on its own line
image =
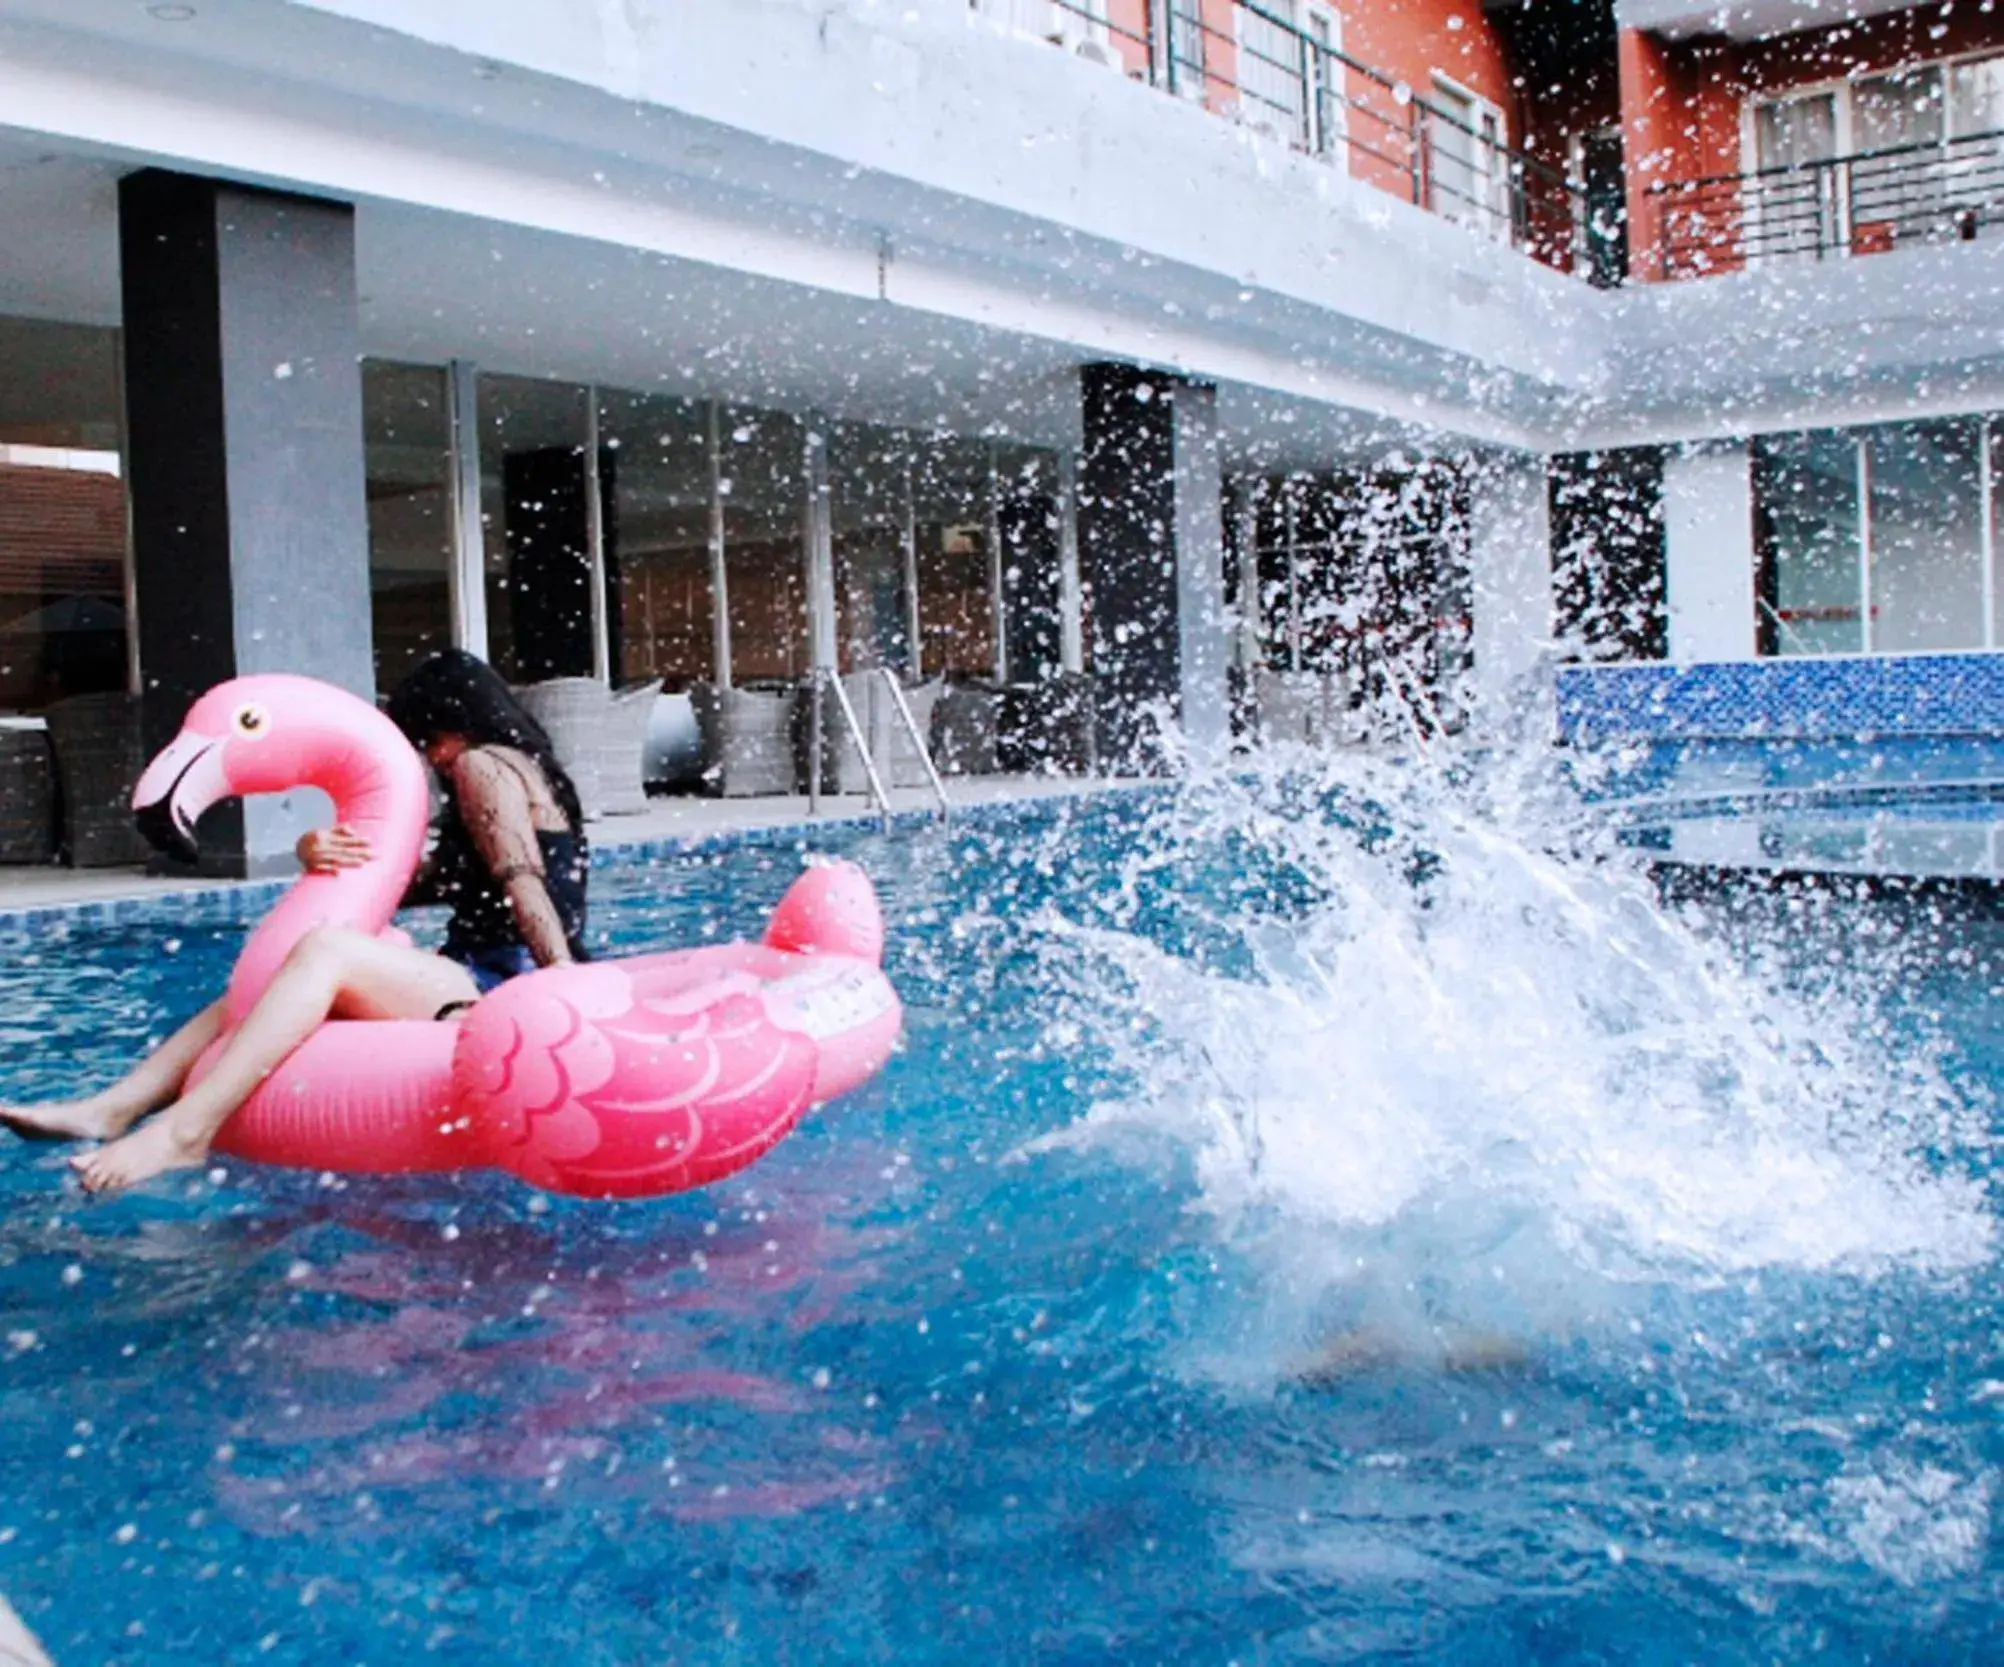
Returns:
<point x="380" y="791"/>
<point x="272" y="734"/>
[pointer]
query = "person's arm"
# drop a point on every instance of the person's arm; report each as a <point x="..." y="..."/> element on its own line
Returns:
<point x="494" y="804"/>
<point x="330" y="850"/>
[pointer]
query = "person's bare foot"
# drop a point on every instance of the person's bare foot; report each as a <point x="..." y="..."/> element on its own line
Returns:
<point x="88" y="1119"/>
<point x="150" y="1150"/>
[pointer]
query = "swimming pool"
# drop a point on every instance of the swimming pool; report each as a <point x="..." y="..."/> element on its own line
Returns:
<point x="1315" y="1217"/>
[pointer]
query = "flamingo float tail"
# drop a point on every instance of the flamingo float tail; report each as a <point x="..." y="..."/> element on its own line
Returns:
<point x="830" y="910"/>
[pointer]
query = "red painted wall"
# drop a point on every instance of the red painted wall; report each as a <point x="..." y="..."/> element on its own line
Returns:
<point x="1680" y="120"/>
<point x="1920" y="36"/>
<point x="1411" y="39"/>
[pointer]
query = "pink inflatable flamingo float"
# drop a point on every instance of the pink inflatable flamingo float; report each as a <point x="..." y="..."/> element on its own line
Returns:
<point x="613" y="1079"/>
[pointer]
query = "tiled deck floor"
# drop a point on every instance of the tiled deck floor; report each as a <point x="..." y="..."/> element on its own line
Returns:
<point x="667" y="820"/>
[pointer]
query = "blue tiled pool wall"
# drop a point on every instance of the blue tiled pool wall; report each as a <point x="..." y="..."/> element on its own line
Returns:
<point x="1853" y="699"/>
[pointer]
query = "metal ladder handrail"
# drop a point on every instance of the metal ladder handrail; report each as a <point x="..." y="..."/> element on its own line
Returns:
<point x="817" y="679"/>
<point x="825" y="677"/>
<point x="904" y="712"/>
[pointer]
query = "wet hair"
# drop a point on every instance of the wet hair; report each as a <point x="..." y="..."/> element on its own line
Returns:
<point x="457" y="693"/>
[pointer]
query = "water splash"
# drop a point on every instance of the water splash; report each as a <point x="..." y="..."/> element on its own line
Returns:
<point x="1460" y="1065"/>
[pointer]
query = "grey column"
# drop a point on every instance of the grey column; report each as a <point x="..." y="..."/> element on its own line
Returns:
<point x="1151" y="553"/>
<point x="243" y="397"/>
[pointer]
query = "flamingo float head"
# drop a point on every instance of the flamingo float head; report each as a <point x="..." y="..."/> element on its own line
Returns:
<point x="264" y="734"/>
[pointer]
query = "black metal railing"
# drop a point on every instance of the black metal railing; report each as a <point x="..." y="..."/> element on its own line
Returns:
<point x="1271" y="72"/>
<point x="1939" y="191"/>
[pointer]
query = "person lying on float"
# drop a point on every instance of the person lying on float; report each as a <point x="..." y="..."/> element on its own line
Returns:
<point x="337" y="1046"/>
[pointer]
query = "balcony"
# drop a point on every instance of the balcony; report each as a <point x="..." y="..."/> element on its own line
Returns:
<point x="1939" y="191"/>
<point x="1295" y="84"/>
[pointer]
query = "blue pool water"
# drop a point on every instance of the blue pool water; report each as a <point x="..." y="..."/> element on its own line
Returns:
<point x="1289" y="1234"/>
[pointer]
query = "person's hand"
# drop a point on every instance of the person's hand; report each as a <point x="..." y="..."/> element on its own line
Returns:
<point x="329" y="850"/>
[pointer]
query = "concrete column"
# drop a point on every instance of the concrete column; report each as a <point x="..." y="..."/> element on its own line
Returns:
<point x="1151" y="547"/>
<point x="1510" y="562"/>
<point x="1709" y="552"/>
<point x="243" y="397"/>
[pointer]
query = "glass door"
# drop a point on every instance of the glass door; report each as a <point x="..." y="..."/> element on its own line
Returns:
<point x="1897" y="184"/>
<point x="407" y="447"/>
<point x="1467" y="174"/>
<point x="1328" y="99"/>
<point x="1795" y="207"/>
<point x="1812" y="544"/>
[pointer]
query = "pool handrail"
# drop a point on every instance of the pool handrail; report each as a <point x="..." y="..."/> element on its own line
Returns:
<point x="903" y="709"/>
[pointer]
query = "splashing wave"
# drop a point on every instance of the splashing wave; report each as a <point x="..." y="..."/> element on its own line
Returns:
<point x="1473" y="1044"/>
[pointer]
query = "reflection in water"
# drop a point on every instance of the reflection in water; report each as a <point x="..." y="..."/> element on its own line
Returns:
<point x="475" y="1356"/>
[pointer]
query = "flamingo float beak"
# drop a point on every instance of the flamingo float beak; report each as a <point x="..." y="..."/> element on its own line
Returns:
<point x="182" y="782"/>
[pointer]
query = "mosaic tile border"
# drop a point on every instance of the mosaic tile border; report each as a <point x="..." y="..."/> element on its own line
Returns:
<point x="1851" y="699"/>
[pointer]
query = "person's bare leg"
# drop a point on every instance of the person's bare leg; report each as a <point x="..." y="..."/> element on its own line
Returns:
<point x="149" y="1085"/>
<point x="331" y="974"/>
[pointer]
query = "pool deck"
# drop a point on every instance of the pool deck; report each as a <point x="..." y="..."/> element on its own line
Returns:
<point x="31" y="893"/>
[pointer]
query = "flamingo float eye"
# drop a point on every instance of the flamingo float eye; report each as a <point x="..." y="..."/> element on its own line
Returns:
<point x="250" y="720"/>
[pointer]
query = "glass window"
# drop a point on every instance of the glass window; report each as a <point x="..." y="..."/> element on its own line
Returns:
<point x="1187" y="47"/>
<point x="1904" y="108"/>
<point x="1466" y="179"/>
<point x="1806" y="493"/>
<point x="1276" y="606"/>
<point x="869" y="505"/>
<point x="761" y="462"/>
<point x="1889" y="112"/>
<point x="1796" y="212"/>
<point x="1976" y="97"/>
<point x="656" y="471"/>
<point x="1792" y="132"/>
<point x="953" y="507"/>
<point x="1271" y="93"/>
<point x="1927" y="536"/>
<point x="537" y="530"/>
<point x="407" y="441"/>
<point x="62" y="514"/>
<point x="1287" y="510"/>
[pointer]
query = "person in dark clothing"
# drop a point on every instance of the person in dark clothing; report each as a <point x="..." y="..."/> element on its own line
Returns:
<point x="510" y="860"/>
<point x="510" y="857"/>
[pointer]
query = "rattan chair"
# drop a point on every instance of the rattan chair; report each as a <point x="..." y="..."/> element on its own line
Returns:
<point x="100" y="752"/>
<point x="28" y="830"/>
<point x="748" y="739"/>
<point x="600" y="738"/>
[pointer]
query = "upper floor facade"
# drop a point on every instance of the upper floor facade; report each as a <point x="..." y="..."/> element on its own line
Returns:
<point x="1361" y="222"/>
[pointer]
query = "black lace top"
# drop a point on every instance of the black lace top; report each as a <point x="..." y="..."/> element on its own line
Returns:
<point x="482" y="917"/>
